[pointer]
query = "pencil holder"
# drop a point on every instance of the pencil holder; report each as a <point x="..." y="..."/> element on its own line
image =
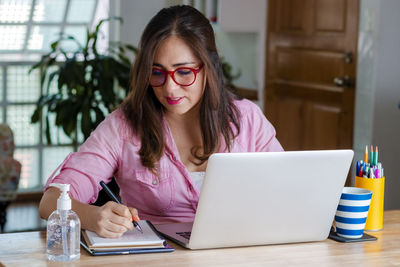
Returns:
<point x="375" y="213"/>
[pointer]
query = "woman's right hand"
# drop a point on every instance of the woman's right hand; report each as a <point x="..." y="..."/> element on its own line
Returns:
<point x="112" y="220"/>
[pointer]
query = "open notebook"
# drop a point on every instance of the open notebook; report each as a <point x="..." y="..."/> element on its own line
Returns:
<point x="131" y="242"/>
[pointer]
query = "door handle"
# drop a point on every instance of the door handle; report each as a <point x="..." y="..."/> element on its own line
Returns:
<point x="344" y="81"/>
<point x="348" y="57"/>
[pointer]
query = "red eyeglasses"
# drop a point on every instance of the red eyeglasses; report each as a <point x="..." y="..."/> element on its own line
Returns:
<point x="182" y="76"/>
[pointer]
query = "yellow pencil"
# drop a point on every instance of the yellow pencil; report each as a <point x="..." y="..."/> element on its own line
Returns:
<point x="366" y="154"/>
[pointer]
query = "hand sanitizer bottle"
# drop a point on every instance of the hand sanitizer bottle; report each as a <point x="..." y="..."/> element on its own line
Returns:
<point x="63" y="229"/>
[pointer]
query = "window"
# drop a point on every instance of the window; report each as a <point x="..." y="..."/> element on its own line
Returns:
<point x="30" y="26"/>
<point x="27" y="28"/>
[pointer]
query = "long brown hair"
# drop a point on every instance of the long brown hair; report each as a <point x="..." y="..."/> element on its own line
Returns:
<point x="143" y="110"/>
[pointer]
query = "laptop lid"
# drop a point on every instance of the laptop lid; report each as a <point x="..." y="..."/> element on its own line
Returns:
<point x="268" y="198"/>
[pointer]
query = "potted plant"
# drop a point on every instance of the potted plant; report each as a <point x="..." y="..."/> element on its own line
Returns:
<point x="90" y="84"/>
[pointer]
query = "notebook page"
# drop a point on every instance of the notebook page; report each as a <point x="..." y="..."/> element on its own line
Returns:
<point x="129" y="238"/>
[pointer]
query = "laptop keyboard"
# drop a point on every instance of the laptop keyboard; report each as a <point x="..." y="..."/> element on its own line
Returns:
<point x="184" y="234"/>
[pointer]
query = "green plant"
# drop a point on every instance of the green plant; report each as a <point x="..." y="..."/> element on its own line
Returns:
<point x="90" y="84"/>
<point x="227" y="71"/>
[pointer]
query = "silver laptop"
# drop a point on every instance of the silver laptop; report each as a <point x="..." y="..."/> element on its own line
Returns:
<point x="265" y="198"/>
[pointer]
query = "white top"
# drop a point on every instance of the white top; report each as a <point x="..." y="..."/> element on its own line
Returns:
<point x="198" y="178"/>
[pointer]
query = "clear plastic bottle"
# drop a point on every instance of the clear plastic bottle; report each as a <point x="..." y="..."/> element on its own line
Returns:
<point x="63" y="229"/>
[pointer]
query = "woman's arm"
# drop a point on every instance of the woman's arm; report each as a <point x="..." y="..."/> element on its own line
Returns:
<point x="110" y="220"/>
<point x="97" y="160"/>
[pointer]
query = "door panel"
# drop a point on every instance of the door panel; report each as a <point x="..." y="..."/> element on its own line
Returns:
<point x="289" y="109"/>
<point x="310" y="55"/>
<point x="307" y="65"/>
<point x="322" y="122"/>
<point x="293" y="16"/>
<point x="330" y="15"/>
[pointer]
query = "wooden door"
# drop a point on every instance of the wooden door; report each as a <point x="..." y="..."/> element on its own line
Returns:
<point x="310" y="72"/>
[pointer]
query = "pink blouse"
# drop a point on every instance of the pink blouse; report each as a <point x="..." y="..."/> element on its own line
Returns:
<point x="112" y="150"/>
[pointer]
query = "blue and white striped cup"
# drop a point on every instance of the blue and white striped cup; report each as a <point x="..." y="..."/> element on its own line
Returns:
<point x="352" y="212"/>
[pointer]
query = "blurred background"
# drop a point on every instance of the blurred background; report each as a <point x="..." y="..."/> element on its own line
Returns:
<point x="325" y="72"/>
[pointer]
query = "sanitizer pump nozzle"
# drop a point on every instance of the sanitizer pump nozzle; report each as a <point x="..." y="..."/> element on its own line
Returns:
<point x="64" y="201"/>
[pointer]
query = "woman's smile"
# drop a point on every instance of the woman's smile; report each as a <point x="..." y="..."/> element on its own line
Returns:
<point x="174" y="100"/>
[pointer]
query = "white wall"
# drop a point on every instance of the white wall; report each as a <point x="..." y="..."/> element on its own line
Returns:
<point x="377" y="118"/>
<point x="136" y="14"/>
<point x="240" y="36"/>
<point x="386" y="126"/>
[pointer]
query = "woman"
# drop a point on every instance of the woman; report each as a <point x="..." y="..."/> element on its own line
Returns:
<point x="157" y="143"/>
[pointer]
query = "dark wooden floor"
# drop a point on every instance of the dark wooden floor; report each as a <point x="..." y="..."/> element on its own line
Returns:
<point x="23" y="216"/>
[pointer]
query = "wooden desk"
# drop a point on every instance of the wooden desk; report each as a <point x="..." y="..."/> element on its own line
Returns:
<point x="28" y="249"/>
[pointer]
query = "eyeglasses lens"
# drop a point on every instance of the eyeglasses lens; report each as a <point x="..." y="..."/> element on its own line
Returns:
<point x="182" y="76"/>
<point x="157" y="77"/>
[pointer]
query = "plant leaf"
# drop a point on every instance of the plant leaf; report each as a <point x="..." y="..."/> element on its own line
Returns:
<point x="48" y="135"/>
<point x="36" y="115"/>
<point x="54" y="45"/>
<point x="86" y="122"/>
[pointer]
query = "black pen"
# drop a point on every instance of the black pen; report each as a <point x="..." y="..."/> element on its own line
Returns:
<point x="113" y="197"/>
